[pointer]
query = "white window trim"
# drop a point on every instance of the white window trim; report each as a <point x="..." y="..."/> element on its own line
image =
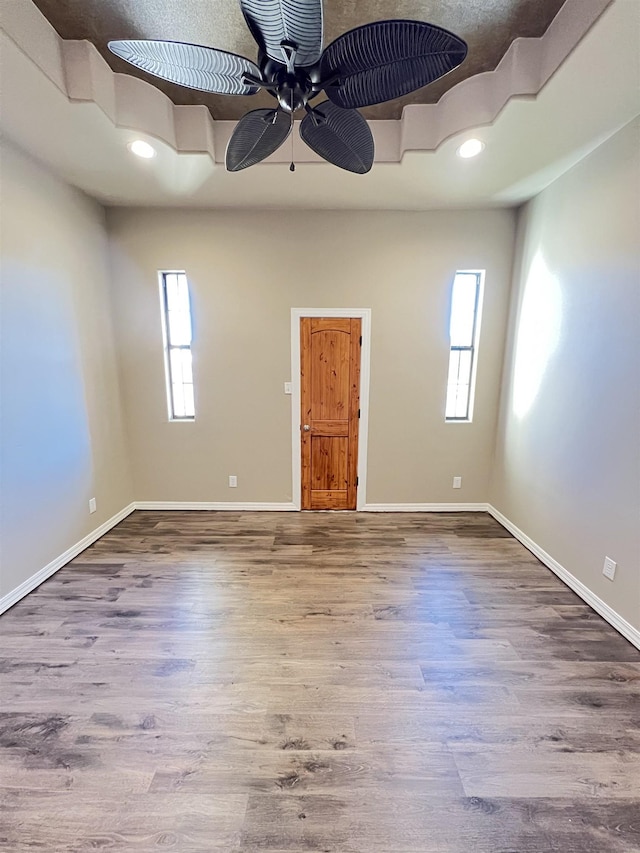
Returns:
<point x="165" y="344"/>
<point x="475" y="347"/>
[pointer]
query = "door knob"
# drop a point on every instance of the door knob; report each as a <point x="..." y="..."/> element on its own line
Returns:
<point x="306" y="427"/>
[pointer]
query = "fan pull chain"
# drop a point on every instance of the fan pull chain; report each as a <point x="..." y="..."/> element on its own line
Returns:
<point x="292" y="167"/>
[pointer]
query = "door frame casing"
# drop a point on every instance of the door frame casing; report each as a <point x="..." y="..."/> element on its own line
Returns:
<point x="363" y="429"/>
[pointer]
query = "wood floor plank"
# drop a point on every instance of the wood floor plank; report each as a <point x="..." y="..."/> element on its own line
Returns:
<point x="361" y="823"/>
<point x="70" y="822"/>
<point x="342" y="682"/>
<point x="501" y="772"/>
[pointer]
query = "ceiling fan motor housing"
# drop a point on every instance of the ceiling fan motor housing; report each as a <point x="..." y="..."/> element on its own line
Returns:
<point x="294" y="89"/>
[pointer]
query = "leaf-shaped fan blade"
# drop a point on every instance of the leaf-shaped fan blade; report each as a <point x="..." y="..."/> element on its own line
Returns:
<point x="190" y="65"/>
<point x="257" y="135"/>
<point x="387" y="59"/>
<point x="340" y="136"/>
<point x="297" y="22"/>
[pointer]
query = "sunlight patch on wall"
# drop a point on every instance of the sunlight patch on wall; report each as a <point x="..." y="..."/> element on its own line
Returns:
<point x="537" y="335"/>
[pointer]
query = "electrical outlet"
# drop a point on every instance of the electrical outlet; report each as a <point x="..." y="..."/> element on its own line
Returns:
<point x="92" y="505"/>
<point x="457" y="482"/>
<point x="609" y="568"/>
<point x="233" y="481"/>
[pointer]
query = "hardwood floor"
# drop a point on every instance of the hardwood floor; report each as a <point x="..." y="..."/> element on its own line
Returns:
<point x="289" y="682"/>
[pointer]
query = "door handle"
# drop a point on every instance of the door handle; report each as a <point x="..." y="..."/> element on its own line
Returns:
<point x="306" y="427"/>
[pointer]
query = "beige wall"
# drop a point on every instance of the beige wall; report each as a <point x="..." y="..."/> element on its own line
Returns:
<point x="62" y="435"/>
<point x="567" y="465"/>
<point x="247" y="270"/>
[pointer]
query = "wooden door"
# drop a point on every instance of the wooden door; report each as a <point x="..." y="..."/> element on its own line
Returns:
<point x="330" y="395"/>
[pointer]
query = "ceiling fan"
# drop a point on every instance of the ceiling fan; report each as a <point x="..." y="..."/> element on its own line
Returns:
<point x="367" y="65"/>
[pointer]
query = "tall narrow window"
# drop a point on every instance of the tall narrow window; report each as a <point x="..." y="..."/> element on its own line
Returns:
<point x="466" y="298"/>
<point x="176" y="315"/>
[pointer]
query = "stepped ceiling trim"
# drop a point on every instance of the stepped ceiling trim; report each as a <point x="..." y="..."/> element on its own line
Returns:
<point x="78" y="70"/>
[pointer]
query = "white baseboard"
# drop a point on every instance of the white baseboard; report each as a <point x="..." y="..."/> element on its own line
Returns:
<point x="217" y="505"/>
<point x="448" y="507"/>
<point x="608" y="613"/>
<point x="51" y="568"/>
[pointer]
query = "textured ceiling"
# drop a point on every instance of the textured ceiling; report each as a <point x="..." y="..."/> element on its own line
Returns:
<point x="488" y="26"/>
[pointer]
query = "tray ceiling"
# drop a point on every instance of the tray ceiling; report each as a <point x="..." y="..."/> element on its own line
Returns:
<point x="488" y="26"/>
<point x="551" y="100"/>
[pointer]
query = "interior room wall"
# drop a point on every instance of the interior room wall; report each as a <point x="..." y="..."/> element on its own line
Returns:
<point x="246" y="272"/>
<point x="567" y="463"/>
<point x="61" y="422"/>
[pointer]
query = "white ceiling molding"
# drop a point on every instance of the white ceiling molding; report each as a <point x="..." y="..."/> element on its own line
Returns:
<point x="78" y="70"/>
<point x="82" y="74"/>
<point x="132" y="103"/>
<point x="524" y="70"/>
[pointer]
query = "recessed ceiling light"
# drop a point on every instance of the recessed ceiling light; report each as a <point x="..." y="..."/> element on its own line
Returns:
<point x="142" y="149"/>
<point x="470" y="148"/>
